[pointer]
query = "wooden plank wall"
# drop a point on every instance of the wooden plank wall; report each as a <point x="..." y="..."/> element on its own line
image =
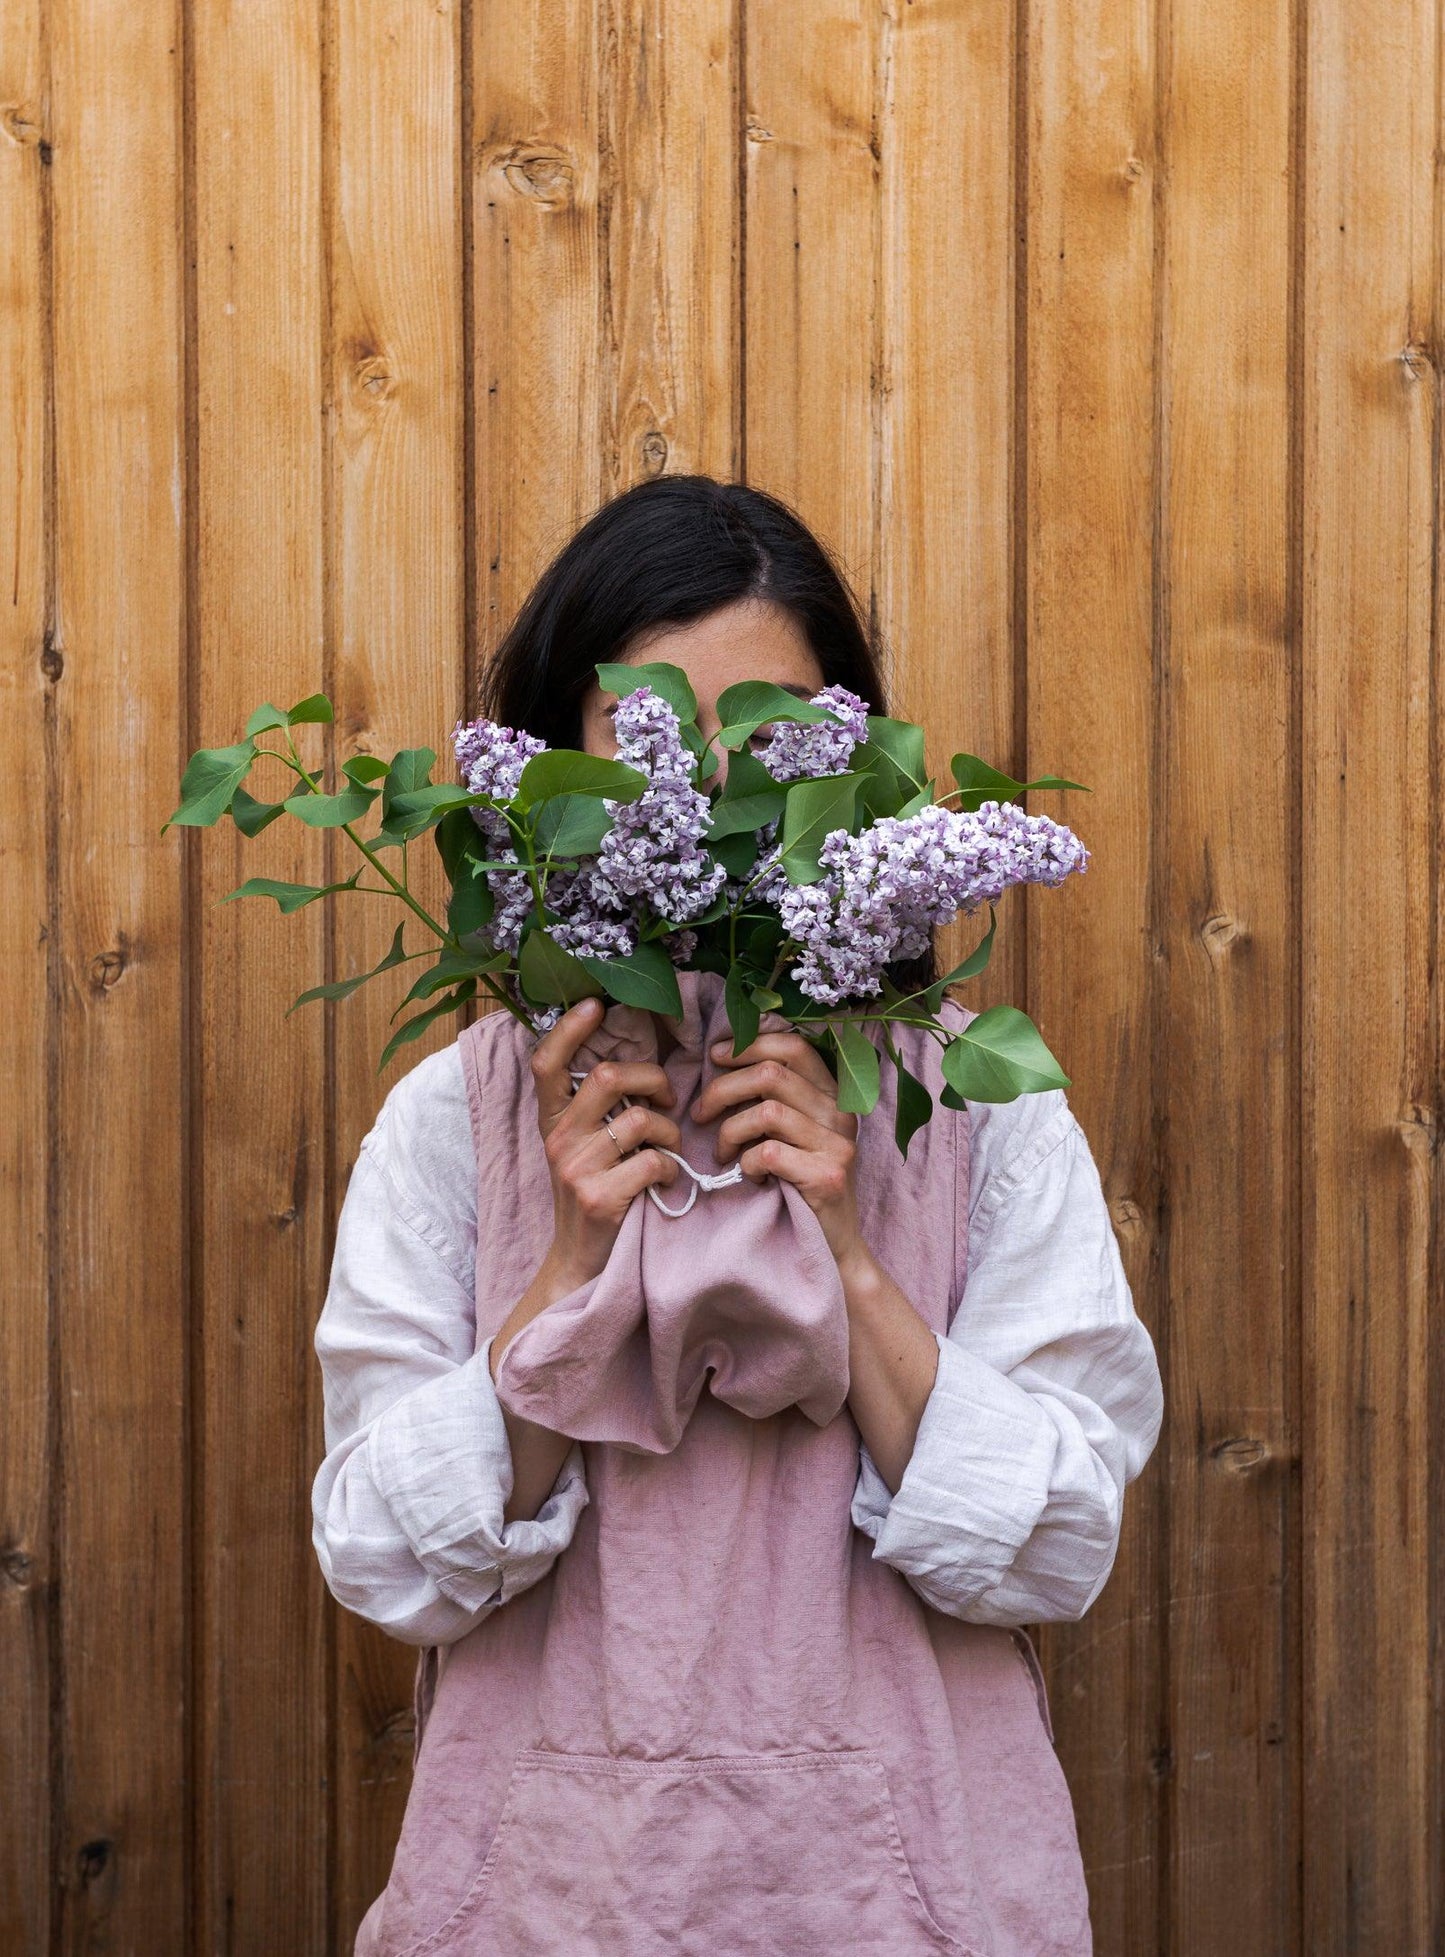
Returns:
<point x="1104" y="345"/>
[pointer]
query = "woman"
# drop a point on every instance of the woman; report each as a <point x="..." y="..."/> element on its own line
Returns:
<point x="768" y="1691"/>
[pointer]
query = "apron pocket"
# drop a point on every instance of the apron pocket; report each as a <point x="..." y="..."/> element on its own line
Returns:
<point x="759" y="1854"/>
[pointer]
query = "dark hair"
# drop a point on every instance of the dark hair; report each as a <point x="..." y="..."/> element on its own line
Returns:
<point x="667" y="551"/>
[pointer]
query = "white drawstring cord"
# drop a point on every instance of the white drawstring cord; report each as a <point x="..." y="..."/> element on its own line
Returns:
<point x="723" y="1180"/>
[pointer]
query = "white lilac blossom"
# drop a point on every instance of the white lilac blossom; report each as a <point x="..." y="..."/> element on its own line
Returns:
<point x="654" y="849"/>
<point x="883" y="890"/>
<point x="819" y="747"/>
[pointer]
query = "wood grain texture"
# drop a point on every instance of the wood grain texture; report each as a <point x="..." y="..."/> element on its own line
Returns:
<point x="119" y="1482"/>
<point x="1227" y="637"/>
<point x="394" y="590"/>
<point x="811" y="266"/>
<point x="29" y="983"/>
<point x="263" y="1684"/>
<point x="1093" y="684"/>
<point x="1370" y="907"/>
<point x="1103" y="346"/>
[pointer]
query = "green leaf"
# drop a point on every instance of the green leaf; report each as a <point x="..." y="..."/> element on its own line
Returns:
<point x="571" y="825"/>
<point x="914" y="1105"/>
<point x="916" y="802"/>
<point x="668" y="682"/>
<point x="998" y="1056"/>
<point x="815" y="807"/>
<point x="290" y="896"/>
<point x="857" y="1067"/>
<point x="330" y="811"/>
<point x="410" y="771"/>
<point x="213" y="774"/>
<point x="343" y="988"/>
<point x="472" y="905"/>
<point x="315" y="707"/>
<point x="741" y="1008"/>
<point x="975" y="962"/>
<point x="902" y="742"/>
<point x="413" y="1028"/>
<point x="550" y="975"/>
<point x="744" y="708"/>
<point x="737" y="854"/>
<point x="251" y="816"/>
<point x="452" y="965"/>
<point x="406" y="813"/>
<point x="365" y="768"/>
<point x="981" y="783"/>
<point x="647" y="978"/>
<point x="750" y="797"/>
<point x="567" y="771"/>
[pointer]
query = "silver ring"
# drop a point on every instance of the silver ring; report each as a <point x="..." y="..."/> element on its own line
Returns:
<point x="607" y="1124"/>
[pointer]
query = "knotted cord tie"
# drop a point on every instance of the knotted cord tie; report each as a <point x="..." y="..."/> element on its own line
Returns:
<point x="724" y="1179"/>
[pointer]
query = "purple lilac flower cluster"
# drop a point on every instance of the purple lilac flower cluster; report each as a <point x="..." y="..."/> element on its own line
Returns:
<point x="883" y="890"/>
<point x="654" y="848"/>
<point x="653" y="855"/>
<point x="820" y="747"/>
<point x="491" y="759"/>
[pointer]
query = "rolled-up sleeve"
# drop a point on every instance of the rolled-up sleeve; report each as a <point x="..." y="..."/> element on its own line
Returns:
<point x="408" y="1503"/>
<point x="1047" y="1401"/>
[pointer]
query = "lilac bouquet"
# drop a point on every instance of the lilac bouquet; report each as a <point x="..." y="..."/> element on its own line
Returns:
<point x="825" y="859"/>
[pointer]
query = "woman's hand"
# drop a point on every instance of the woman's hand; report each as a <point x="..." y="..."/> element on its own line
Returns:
<point x="593" y="1179"/>
<point x="793" y="1129"/>
<point x="592" y="1185"/>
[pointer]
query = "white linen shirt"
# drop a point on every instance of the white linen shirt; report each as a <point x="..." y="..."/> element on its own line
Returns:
<point x="1047" y="1401"/>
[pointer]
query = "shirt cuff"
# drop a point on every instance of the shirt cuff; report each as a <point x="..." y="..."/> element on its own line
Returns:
<point x="975" y="1485"/>
<point x="442" y="1462"/>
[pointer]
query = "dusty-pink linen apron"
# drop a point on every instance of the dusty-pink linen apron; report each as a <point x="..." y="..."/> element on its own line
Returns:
<point x="717" y="1725"/>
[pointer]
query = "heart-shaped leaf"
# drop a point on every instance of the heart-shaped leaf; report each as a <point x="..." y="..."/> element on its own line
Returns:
<point x="998" y="1056"/>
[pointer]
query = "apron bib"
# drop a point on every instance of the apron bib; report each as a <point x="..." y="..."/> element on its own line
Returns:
<point x="717" y="1725"/>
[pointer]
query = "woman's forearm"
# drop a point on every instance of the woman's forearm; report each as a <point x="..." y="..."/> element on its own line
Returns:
<point x="537" y="1452"/>
<point x="892" y="1364"/>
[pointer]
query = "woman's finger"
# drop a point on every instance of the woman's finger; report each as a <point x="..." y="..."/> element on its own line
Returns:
<point x="791" y="1048"/>
<point x="788" y="1123"/>
<point x="609" y="1191"/>
<point x="554" y="1054"/>
<point x="619" y="1135"/>
<point x="773" y="1079"/>
<point x="609" y="1081"/>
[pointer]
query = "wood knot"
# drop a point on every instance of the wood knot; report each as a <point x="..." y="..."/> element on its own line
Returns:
<point x="1219" y="933"/>
<point x="1418" y="359"/>
<point x="107" y="967"/>
<point x="544" y="175"/>
<point x="1132" y="169"/>
<point x="1417" y="1128"/>
<point x="94" y="1859"/>
<point x="1126" y="1215"/>
<point x="283" y="1219"/>
<point x="654" y="452"/>
<point x="758" y="131"/>
<point x="16" y="1567"/>
<point x="52" y="660"/>
<point x="1161" y="1762"/>
<point x="371" y="373"/>
<point x="1240" y="1455"/>
<point x="17" y="119"/>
